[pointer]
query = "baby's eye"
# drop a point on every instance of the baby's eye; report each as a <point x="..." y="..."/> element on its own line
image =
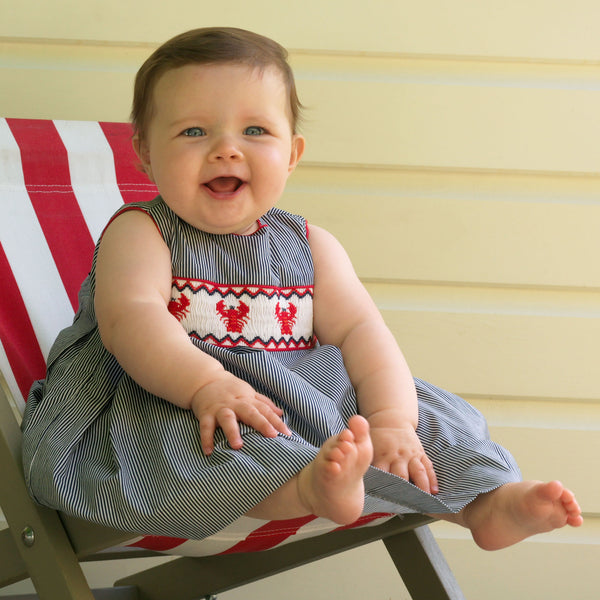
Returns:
<point x="254" y="130"/>
<point x="194" y="132"/>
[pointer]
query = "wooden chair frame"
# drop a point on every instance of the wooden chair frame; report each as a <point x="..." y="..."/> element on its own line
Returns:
<point x="47" y="547"/>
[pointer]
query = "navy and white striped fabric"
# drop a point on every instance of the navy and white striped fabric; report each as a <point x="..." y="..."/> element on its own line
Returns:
<point x="98" y="446"/>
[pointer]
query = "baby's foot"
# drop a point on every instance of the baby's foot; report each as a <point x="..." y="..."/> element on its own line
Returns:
<point x="516" y="511"/>
<point x="332" y="485"/>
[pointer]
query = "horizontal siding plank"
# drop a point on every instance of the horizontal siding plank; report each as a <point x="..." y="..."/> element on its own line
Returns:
<point x="544" y="568"/>
<point x="550" y="440"/>
<point x="69" y="95"/>
<point x="472" y="184"/>
<point x="72" y="56"/>
<point x="427" y="298"/>
<point x="452" y="126"/>
<point x="537" y="29"/>
<point x="321" y="66"/>
<point x="548" y="454"/>
<point x="499" y="241"/>
<point x="501" y="355"/>
<point x="538" y="413"/>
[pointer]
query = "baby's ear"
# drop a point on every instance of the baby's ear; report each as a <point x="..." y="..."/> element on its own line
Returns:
<point x="298" y="144"/>
<point x="143" y="153"/>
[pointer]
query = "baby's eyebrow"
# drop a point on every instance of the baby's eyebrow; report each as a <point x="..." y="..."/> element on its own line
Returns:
<point x="263" y="120"/>
<point x="188" y="120"/>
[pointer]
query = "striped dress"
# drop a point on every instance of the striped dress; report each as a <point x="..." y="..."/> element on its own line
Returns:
<point x="100" y="447"/>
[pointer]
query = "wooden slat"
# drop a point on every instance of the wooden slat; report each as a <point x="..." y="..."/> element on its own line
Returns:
<point x="547" y="454"/>
<point x="91" y="95"/>
<point x="536" y="29"/>
<point x="539" y="413"/>
<point x="452" y="125"/>
<point x="487" y="240"/>
<point x="504" y="355"/>
<point x="561" y="564"/>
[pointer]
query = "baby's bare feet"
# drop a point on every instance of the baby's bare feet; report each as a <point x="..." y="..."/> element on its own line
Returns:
<point x="332" y="485"/>
<point x="516" y="511"/>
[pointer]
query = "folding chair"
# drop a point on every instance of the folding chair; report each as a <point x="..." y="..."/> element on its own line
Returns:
<point x="60" y="181"/>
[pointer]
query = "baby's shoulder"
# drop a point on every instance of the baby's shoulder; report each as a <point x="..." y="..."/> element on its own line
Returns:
<point x="281" y="221"/>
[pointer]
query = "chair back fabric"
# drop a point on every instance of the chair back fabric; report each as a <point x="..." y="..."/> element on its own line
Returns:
<point x="60" y="181"/>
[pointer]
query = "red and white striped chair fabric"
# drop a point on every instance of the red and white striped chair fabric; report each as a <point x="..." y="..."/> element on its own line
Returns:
<point x="60" y="182"/>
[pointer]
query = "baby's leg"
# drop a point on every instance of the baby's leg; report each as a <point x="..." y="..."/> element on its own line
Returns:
<point x="516" y="511"/>
<point x="331" y="486"/>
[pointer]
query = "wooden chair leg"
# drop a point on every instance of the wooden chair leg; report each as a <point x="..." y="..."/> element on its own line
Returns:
<point x="422" y="565"/>
<point x="38" y="533"/>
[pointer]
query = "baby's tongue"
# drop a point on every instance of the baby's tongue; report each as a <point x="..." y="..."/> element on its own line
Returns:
<point x="224" y="184"/>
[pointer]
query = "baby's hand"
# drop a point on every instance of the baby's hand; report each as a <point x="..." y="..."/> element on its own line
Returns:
<point x="399" y="451"/>
<point x="225" y="401"/>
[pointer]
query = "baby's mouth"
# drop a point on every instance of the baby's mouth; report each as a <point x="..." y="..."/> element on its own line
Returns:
<point x="224" y="185"/>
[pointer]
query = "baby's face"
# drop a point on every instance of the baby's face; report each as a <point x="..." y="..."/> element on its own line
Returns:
<point x="219" y="145"/>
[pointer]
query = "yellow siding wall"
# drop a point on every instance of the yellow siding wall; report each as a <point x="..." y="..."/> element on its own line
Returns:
<point x="454" y="149"/>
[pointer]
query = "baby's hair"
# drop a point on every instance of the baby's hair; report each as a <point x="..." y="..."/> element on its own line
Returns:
<point x="210" y="45"/>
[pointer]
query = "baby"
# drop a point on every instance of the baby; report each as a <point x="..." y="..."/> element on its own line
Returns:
<point x="196" y="342"/>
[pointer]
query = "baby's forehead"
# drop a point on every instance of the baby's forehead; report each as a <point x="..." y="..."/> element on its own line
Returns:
<point x="256" y="73"/>
<point x="250" y="68"/>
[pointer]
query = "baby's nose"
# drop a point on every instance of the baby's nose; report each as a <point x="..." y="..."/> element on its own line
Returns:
<point x="225" y="148"/>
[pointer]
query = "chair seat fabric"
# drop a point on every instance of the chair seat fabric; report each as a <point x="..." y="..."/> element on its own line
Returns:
<point x="252" y="535"/>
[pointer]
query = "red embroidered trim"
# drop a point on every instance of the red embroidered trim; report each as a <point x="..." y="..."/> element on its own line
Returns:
<point x="271" y="345"/>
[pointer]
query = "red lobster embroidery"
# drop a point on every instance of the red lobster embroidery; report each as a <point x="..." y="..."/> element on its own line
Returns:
<point x="286" y="316"/>
<point x="179" y="308"/>
<point x="234" y="318"/>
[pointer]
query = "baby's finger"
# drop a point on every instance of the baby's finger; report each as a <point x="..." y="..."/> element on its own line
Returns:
<point x="252" y="415"/>
<point x="433" y="480"/>
<point x="270" y="404"/>
<point x="227" y="420"/>
<point x="207" y="433"/>
<point x="398" y="467"/>
<point x="274" y="418"/>
<point x="420" y="475"/>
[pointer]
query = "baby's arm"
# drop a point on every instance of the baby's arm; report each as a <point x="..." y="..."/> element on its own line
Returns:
<point x="133" y="289"/>
<point x="346" y="316"/>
